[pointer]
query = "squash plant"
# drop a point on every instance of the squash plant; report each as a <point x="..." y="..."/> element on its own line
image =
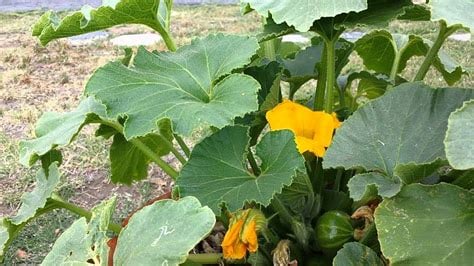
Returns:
<point x="375" y="168"/>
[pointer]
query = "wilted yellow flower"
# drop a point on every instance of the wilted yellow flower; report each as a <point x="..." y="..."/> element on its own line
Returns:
<point x="242" y="234"/>
<point x="313" y="129"/>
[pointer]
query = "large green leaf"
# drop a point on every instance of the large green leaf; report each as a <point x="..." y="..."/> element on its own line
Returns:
<point x="273" y="30"/>
<point x="128" y="163"/>
<point x="71" y="247"/>
<point x="153" y="13"/>
<point x="356" y="254"/>
<point x="164" y="233"/>
<point x="379" y="50"/>
<point x="370" y="86"/>
<point x="83" y="241"/>
<point x="36" y="199"/>
<point x="453" y="11"/>
<point x="459" y="140"/>
<point x="58" y="129"/>
<point x="4" y="236"/>
<point x="192" y="87"/>
<point x="300" y="198"/>
<point x="301" y="14"/>
<point x="362" y="184"/>
<point x="269" y="77"/>
<point x="405" y="126"/>
<point x="217" y="171"/>
<point x="378" y="14"/>
<point x="427" y="225"/>
<point x="307" y="63"/>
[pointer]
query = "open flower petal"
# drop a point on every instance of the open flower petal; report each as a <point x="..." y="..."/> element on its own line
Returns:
<point x="313" y="129"/>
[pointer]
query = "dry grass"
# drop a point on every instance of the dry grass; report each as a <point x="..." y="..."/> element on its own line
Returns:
<point x="34" y="79"/>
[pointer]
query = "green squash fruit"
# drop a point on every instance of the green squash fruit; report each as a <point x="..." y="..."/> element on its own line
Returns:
<point x="333" y="229"/>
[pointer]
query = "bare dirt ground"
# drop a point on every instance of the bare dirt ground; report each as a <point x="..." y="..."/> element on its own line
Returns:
<point x="35" y="79"/>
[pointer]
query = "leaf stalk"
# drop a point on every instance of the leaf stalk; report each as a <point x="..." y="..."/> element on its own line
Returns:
<point x="145" y="149"/>
<point x="183" y="145"/>
<point x="443" y="33"/>
<point x="57" y="201"/>
<point x="330" y="47"/>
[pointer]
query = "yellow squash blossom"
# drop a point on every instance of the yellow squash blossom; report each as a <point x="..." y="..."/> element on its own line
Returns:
<point x="313" y="129"/>
<point x="242" y="233"/>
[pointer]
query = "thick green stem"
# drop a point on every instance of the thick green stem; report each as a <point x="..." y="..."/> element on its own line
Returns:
<point x="396" y="62"/>
<point x="171" y="147"/>
<point x="320" y="87"/>
<point x="145" y="149"/>
<point x="330" y="47"/>
<point x="253" y="163"/>
<point x="281" y="209"/>
<point x="342" y="98"/>
<point x="169" y="41"/>
<point x="337" y="181"/>
<point x="183" y="145"/>
<point x="269" y="49"/>
<point x="154" y="157"/>
<point x="443" y="34"/>
<point x="293" y="89"/>
<point x="318" y="176"/>
<point x="57" y="201"/>
<point x="165" y="34"/>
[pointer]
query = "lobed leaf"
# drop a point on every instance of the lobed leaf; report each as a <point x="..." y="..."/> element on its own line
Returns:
<point x="269" y="77"/>
<point x="300" y="198"/>
<point x="453" y="11"/>
<point x="370" y="86"/>
<point x="36" y="199"/>
<point x="58" y="129"/>
<point x="459" y="141"/>
<point x="301" y="14"/>
<point x="217" y="172"/>
<point x="362" y="184"/>
<point x="191" y="87"/>
<point x="307" y="63"/>
<point x="163" y="233"/>
<point x="377" y="14"/>
<point x="405" y="126"/>
<point x="153" y="13"/>
<point x="128" y="163"/>
<point x="272" y="30"/>
<point x="379" y="49"/>
<point x="427" y="225"/>
<point x="356" y="254"/>
<point x="83" y="242"/>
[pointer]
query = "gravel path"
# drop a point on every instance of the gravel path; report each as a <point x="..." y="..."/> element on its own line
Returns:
<point x="27" y="5"/>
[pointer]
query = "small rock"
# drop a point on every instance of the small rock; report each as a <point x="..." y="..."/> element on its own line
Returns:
<point x="352" y="35"/>
<point x="462" y="37"/>
<point x="297" y="38"/>
<point x="136" y="39"/>
<point x="207" y="248"/>
<point x="219" y="227"/>
<point x="88" y="38"/>
<point x="21" y="254"/>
